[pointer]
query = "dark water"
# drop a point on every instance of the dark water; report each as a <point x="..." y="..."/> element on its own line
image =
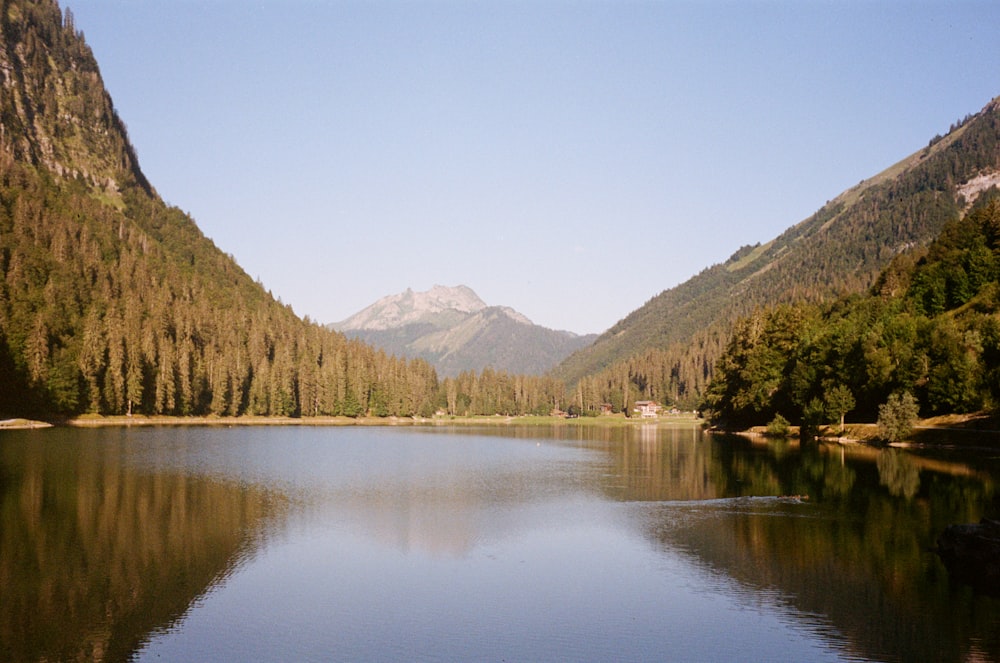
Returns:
<point x="318" y="544"/>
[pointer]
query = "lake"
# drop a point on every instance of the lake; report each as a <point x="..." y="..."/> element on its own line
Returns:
<point x="497" y="544"/>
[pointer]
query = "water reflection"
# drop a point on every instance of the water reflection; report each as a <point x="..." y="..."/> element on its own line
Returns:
<point x="95" y="555"/>
<point x="898" y="473"/>
<point x="842" y="535"/>
<point x="848" y="548"/>
<point x="539" y="537"/>
<point x="447" y="498"/>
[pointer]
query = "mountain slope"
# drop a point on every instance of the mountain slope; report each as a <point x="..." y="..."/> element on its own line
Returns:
<point x="454" y="330"/>
<point x="839" y="249"/>
<point x="929" y="328"/>
<point x="110" y="301"/>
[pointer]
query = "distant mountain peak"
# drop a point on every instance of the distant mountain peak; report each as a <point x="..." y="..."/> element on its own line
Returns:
<point x="455" y="330"/>
<point x="411" y="307"/>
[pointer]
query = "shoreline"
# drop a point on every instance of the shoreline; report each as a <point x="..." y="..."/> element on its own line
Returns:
<point x="973" y="427"/>
<point x="985" y="428"/>
<point x="23" y="424"/>
<point x="99" y="421"/>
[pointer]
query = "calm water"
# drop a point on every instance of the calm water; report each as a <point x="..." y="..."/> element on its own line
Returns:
<point x="300" y="543"/>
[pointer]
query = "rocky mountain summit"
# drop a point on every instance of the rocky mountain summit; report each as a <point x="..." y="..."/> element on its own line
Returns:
<point x="455" y="330"/>
<point x="407" y="308"/>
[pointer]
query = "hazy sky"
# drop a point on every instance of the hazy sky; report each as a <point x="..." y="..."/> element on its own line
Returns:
<point x="568" y="159"/>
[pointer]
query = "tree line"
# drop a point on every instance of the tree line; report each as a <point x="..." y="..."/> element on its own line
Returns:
<point x="929" y="328"/>
<point x="134" y="311"/>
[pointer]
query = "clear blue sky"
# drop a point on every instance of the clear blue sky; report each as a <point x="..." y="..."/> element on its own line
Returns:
<point x="568" y="159"/>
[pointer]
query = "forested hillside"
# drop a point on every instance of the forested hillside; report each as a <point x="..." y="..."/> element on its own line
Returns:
<point x="930" y="328"/>
<point x="112" y="302"/>
<point x="667" y="349"/>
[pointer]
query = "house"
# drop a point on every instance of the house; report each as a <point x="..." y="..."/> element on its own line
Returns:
<point x="647" y="409"/>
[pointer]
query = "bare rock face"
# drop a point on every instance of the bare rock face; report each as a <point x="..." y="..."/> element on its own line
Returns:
<point x="54" y="110"/>
<point x="411" y="307"/>
<point x="971" y="553"/>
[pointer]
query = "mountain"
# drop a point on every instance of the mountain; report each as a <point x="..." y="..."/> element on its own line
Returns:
<point x="454" y="330"/>
<point x="667" y="348"/>
<point x="56" y="113"/>
<point x="929" y="329"/>
<point x="410" y="307"/>
<point x="111" y="301"/>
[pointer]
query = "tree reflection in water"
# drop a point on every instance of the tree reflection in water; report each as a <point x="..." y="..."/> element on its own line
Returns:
<point x="844" y="536"/>
<point x="898" y="473"/>
<point x="96" y="554"/>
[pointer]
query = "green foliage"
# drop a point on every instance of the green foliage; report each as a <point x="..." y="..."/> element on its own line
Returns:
<point x="826" y="361"/>
<point x="897" y="416"/>
<point x="753" y="376"/>
<point x="838" y="402"/>
<point x="100" y="316"/>
<point x="498" y="392"/>
<point x="778" y="427"/>
<point x="813" y="417"/>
